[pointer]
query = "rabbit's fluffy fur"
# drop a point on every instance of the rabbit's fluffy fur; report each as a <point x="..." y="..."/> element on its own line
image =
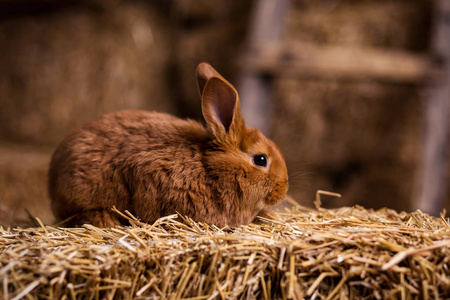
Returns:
<point x="155" y="164"/>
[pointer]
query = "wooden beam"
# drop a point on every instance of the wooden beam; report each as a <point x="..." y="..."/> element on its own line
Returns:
<point x="431" y="183"/>
<point x="255" y="89"/>
<point x="306" y="60"/>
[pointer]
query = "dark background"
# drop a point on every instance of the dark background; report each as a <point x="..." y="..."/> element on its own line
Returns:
<point x="63" y="64"/>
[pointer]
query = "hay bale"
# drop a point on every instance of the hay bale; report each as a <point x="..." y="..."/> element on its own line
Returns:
<point x="23" y="185"/>
<point x="349" y="252"/>
<point x="65" y="66"/>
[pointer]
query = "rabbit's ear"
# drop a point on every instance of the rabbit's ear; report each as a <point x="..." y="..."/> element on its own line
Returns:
<point x="203" y="73"/>
<point x="221" y="109"/>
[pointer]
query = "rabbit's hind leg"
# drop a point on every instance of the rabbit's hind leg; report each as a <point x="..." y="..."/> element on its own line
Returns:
<point x="97" y="218"/>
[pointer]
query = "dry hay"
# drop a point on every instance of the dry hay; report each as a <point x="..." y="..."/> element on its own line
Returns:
<point x="350" y="252"/>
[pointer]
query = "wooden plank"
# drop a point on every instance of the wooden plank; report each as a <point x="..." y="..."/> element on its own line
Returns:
<point x="306" y="60"/>
<point x="431" y="183"/>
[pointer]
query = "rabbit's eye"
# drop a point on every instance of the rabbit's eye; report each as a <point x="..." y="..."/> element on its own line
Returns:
<point x="260" y="160"/>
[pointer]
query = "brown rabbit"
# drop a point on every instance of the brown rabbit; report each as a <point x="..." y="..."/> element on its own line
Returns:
<point x="155" y="164"/>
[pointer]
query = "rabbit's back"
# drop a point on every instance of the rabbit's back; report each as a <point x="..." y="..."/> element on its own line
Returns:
<point x="130" y="159"/>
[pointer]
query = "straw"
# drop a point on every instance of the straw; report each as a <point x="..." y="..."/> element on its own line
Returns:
<point x="350" y="252"/>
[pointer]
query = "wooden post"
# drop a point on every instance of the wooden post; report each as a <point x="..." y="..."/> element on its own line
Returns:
<point x="432" y="171"/>
<point x="255" y="89"/>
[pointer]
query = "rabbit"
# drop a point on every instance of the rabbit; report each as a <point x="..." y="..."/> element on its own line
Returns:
<point x="155" y="164"/>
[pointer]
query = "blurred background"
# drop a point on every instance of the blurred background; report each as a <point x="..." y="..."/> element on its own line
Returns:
<point x="355" y="92"/>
